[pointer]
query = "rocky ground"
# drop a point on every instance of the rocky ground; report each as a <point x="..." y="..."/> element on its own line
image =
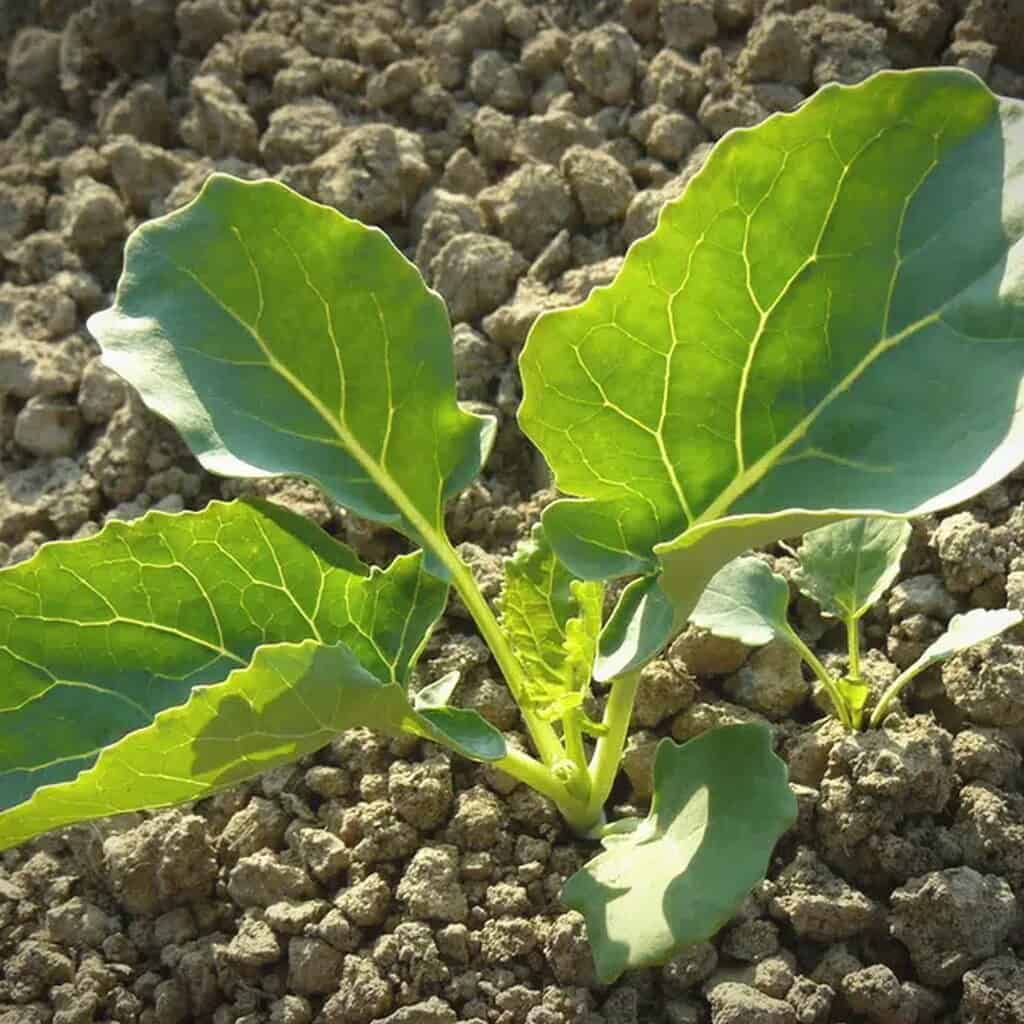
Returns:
<point x="513" y="149"/>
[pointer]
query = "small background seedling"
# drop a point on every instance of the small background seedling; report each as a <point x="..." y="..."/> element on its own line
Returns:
<point x="845" y="568"/>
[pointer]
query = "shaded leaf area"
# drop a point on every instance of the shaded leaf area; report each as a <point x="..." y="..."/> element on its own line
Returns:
<point x="814" y="330"/>
<point x="289" y="701"/>
<point x="637" y="630"/>
<point x="847" y="566"/>
<point x="279" y="336"/>
<point x="98" y="636"/>
<point x="552" y="621"/>
<point x="721" y="801"/>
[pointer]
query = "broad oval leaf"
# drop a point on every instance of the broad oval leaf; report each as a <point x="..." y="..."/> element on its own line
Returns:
<point x="721" y="802"/>
<point x="828" y="322"/>
<point x="745" y="601"/>
<point x="99" y="636"/>
<point x="279" y="336"/>
<point x="847" y="566"/>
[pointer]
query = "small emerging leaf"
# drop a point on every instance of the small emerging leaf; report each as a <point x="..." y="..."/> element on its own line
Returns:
<point x="721" y="801"/>
<point x="855" y="694"/>
<point x="637" y="630"/>
<point x="466" y="731"/>
<point x="967" y="630"/>
<point x="847" y="566"/>
<point x="745" y="601"/>
<point x="552" y="621"/>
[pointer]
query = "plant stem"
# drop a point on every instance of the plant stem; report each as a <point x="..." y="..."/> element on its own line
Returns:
<point x="535" y="775"/>
<point x="842" y="711"/>
<point x="604" y="765"/>
<point x="853" y="646"/>
<point x="572" y="734"/>
<point x="544" y="737"/>
<point x="892" y="692"/>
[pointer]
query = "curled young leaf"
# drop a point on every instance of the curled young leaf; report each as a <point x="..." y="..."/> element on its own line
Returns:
<point x="552" y="621"/>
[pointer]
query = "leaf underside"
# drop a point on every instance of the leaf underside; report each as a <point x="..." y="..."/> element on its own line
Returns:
<point x="99" y="636"/>
<point x="281" y="337"/>
<point x="828" y="322"/>
<point x="967" y="630"/>
<point x="847" y="566"/>
<point x="745" y="601"/>
<point x="721" y="801"/>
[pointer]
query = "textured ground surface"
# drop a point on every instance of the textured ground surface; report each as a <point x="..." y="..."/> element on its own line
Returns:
<point x="514" y="150"/>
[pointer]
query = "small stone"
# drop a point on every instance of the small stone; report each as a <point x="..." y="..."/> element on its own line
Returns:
<point x="601" y="185"/>
<point x="431" y="888"/>
<point x="529" y="207"/>
<point x="362" y="995"/>
<point x="262" y="878"/>
<point x="994" y="992"/>
<point x="952" y="920"/>
<point x="300" y="132"/>
<point x="219" y="124"/>
<point x="818" y="904"/>
<point x="254" y="945"/>
<point x="313" y="966"/>
<point x="771" y="682"/>
<point x="374" y="173"/>
<point x="638" y="762"/>
<point x="367" y="902"/>
<point x="777" y="50"/>
<point x="603" y="62"/>
<point x="476" y="273"/>
<point x="93" y="216"/>
<point x="687" y="24"/>
<point x="47" y="426"/>
<point x="735" y="1003"/>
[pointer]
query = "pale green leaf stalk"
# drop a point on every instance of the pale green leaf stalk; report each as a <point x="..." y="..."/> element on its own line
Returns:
<point x="754" y="372"/>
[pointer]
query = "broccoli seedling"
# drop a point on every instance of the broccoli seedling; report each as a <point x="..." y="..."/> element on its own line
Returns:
<point x="813" y="332"/>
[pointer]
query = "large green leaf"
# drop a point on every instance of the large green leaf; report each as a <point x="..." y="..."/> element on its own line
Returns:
<point x="279" y="336"/>
<point x="552" y="621"/>
<point x="721" y="801"/>
<point x="289" y="701"/>
<point x="828" y="322"/>
<point x="847" y="566"/>
<point x="99" y="636"/>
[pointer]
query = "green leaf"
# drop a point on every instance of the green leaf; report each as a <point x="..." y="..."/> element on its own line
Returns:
<point x="279" y="336"/>
<point x="846" y="567"/>
<point x="721" y="801"/>
<point x="967" y="630"/>
<point x="99" y="636"/>
<point x="289" y="701"/>
<point x="552" y="622"/>
<point x="828" y="322"/>
<point x="745" y="601"/>
<point x="466" y="731"/>
<point x="636" y="631"/>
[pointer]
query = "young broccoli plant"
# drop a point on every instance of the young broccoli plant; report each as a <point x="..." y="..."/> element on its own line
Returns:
<point x="812" y="332"/>
<point x="845" y="568"/>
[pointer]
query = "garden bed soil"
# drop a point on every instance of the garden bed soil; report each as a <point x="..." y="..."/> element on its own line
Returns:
<point x="514" y="150"/>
